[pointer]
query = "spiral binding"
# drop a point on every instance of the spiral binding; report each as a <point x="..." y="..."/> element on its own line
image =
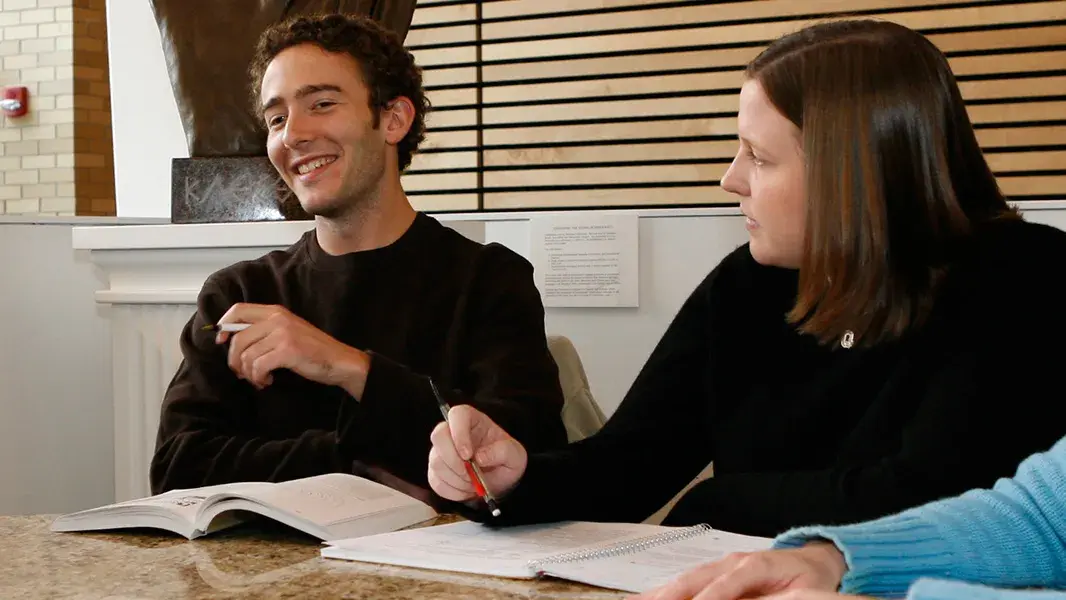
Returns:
<point x="630" y="547"/>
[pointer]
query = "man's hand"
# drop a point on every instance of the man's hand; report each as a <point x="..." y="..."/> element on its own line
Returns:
<point x="278" y="339"/>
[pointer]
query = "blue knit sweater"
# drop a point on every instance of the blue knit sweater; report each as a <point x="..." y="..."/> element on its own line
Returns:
<point x="973" y="546"/>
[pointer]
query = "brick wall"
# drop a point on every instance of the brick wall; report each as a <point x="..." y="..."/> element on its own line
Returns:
<point x="56" y="159"/>
<point x="94" y="172"/>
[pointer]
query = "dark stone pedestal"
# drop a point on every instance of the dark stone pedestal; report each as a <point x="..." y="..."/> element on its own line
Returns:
<point x="227" y="190"/>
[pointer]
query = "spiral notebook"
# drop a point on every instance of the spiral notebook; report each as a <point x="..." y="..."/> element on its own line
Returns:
<point x="621" y="556"/>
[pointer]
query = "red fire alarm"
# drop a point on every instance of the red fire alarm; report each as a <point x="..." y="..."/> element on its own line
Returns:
<point x="15" y="102"/>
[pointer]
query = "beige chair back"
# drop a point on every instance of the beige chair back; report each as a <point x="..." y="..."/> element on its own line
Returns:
<point x="581" y="415"/>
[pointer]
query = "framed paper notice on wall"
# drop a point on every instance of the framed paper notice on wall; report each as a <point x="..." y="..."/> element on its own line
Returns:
<point x="586" y="260"/>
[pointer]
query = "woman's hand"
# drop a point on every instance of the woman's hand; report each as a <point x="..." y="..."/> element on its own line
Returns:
<point x="469" y="434"/>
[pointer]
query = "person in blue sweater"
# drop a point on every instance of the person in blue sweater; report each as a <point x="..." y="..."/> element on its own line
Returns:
<point x="1003" y="543"/>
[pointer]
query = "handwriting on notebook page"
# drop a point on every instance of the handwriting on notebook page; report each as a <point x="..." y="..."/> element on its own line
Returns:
<point x="521" y="543"/>
<point x="656" y="565"/>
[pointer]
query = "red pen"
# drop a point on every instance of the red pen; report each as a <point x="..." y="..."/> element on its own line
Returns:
<point x="472" y="469"/>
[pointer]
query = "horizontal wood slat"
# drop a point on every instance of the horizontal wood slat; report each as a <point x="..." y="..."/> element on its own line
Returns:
<point x="456" y="34"/>
<point x="1024" y="112"/>
<point x="1027" y="161"/>
<point x="1033" y="186"/>
<point x="614" y="65"/>
<point x="594" y="103"/>
<point x="1000" y="39"/>
<point x="661" y="84"/>
<point x="442" y="140"/>
<point x="1024" y="62"/>
<point x="445" y="57"/>
<point x="738" y="57"/>
<point x="733" y="79"/>
<point x="594" y="176"/>
<point x="414" y="183"/>
<point x="451" y="118"/>
<point x="761" y="33"/>
<point x="632" y="109"/>
<point x="429" y="15"/>
<point x="434" y="78"/>
<point x="448" y="202"/>
<point x="446" y="98"/>
<point x="703" y="173"/>
<point x="611" y="154"/>
<point x="443" y="160"/>
<point x="651" y="17"/>
<point x="611" y="110"/>
<point x="723" y="151"/>
<point x="701" y="195"/>
<point x="726" y="126"/>
<point x="1022" y="137"/>
<point x="420" y="4"/>
<point x="527" y="8"/>
<point x="764" y="9"/>
<point x="1026" y="87"/>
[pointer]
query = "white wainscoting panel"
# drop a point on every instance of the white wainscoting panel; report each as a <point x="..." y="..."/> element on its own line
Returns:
<point x="145" y="356"/>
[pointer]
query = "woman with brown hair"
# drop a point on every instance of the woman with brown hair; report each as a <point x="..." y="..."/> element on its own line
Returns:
<point x="878" y="343"/>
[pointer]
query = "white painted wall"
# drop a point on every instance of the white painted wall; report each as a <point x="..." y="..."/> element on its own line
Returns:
<point x="56" y="449"/>
<point x="1049" y="213"/>
<point x="146" y="127"/>
<point x="676" y="253"/>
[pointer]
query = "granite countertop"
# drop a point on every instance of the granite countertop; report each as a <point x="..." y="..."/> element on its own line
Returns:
<point x="247" y="562"/>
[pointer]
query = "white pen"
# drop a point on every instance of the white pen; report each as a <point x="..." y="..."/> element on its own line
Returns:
<point x="227" y="327"/>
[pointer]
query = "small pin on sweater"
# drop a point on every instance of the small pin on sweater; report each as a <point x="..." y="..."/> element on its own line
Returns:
<point x="847" y="340"/>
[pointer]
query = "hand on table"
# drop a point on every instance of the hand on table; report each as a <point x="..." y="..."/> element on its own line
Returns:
<point x="809" y="573"/>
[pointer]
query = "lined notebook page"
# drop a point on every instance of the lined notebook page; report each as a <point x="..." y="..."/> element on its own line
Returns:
<point x="470" y="547"/>
<point x="657" y="565"/>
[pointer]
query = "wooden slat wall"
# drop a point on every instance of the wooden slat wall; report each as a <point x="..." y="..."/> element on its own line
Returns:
<point x="607" y="103"/>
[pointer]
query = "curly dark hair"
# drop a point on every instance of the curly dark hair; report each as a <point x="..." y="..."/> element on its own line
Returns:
<point x="388" y="69"/>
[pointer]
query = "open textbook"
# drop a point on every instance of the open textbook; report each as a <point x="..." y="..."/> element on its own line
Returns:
<point x="627" y="557"/>
<point x="329" y="507"/>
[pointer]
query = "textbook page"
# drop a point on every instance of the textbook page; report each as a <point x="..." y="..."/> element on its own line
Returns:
<point x="184" y="503"/>
<point x="470" y="547"/>
<point x="176" y="510"/>
<point x="656" y="565"/>
<point x="333" y="498"/>
<point x="330" y="507"/>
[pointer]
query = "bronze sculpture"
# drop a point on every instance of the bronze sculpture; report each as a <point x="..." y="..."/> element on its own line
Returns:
<point x="207" y="45"/>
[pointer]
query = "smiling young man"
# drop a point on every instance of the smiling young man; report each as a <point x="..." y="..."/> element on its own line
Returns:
<point x="347" y="326"/>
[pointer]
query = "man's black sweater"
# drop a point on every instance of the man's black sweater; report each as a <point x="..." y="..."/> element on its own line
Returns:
<point x="431" y="304"/>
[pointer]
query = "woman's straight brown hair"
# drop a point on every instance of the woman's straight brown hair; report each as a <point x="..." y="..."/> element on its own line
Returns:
<point x="895" y="176"/>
